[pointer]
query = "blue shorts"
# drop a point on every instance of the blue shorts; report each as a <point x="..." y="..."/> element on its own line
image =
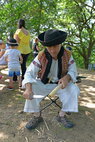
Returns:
<point x="11" y="73"/>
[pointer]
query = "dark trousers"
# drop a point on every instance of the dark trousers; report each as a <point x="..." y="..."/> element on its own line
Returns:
<point x="23" y="66"/>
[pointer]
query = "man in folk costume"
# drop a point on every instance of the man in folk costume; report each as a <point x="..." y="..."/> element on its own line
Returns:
<point x="53" y="66"/>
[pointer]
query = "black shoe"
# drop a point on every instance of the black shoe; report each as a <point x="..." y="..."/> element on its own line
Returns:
<point x="65" y="122"/>
<point x="34" y="122"/>
<point x="68" y="113"/>
<point x="10" y="88"/>
<point x="14" y="78"/>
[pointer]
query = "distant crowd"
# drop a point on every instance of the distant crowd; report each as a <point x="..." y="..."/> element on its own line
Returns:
<point x="15" y="52"/>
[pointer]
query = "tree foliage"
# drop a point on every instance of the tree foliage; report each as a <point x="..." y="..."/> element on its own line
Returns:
<point x="77" y="17"/>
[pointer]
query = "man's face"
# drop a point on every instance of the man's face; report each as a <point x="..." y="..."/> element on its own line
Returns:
<point x="54" y="50"/>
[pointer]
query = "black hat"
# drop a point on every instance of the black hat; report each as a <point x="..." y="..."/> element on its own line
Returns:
<point x="52" y="37"/>
<point x="12" y="42"/>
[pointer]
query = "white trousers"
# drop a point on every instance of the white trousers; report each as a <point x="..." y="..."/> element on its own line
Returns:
<point x="68" y="96"/>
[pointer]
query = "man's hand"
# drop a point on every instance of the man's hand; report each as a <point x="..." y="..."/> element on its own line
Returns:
<point x="28" y="92"/>
<point x="64" y="81"/>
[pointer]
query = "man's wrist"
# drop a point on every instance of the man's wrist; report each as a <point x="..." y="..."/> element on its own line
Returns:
<point x="68" y="77"/>
<point x="28" y="86"/>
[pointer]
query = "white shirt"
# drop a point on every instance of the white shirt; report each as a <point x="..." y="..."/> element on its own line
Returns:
<point x="13" y="59"/>
<point x="33" y="69"/>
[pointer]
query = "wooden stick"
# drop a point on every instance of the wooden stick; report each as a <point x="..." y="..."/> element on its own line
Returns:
<point x="55" y="90"/>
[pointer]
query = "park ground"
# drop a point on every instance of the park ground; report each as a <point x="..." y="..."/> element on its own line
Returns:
<point x="13" y="119"/>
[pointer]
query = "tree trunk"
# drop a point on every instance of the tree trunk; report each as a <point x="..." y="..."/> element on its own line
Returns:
<point x="86" y="63"/>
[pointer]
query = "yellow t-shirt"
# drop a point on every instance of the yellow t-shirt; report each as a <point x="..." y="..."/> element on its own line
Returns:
<point x="24" y="44"/>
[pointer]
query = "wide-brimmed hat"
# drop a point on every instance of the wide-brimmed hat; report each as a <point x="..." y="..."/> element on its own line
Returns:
<point x="12" y="42"/>
<point x="52" y="37"/>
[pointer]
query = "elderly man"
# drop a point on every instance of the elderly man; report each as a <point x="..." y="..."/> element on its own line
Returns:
<point x="54" y="65"/>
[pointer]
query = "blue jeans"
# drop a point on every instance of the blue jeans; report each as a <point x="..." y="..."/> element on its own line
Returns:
<point x="11" y="73"/>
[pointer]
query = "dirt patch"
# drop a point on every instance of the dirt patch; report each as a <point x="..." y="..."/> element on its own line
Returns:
<point x="13" y="120"/>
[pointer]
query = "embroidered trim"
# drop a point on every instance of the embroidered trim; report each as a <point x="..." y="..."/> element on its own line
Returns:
<point x="45" y="60"/>
<point x="36" y="64"/>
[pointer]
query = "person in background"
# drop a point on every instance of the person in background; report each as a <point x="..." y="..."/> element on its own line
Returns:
<point x="35" y="47"/>
<point x="22" y="36"/>
<point x="53" y="66"/>
<point x="14" y="59"/>
<point x="3" y="48"/>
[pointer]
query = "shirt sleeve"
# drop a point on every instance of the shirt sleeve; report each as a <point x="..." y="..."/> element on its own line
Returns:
<point x="72" y="70"/>
<point x="32" y="72"/>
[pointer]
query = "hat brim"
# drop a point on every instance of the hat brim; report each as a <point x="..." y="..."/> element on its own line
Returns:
<point x="58" y="40"/>
<point x="11" y="44"/>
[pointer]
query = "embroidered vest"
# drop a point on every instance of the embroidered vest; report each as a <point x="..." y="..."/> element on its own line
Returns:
<point x="45" y="60"/>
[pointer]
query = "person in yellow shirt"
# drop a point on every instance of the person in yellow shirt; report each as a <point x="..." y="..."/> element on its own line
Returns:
<point x="23" y="38"/>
